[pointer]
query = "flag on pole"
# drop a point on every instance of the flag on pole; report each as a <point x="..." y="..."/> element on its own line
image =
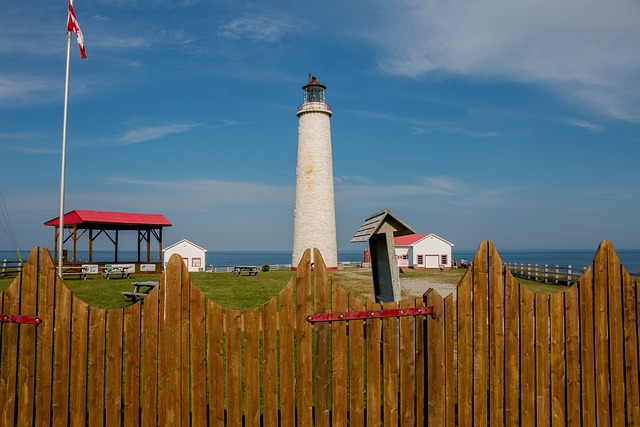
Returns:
<point x="72" y="25"/>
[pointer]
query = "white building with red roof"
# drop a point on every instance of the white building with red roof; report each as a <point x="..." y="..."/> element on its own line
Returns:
<point x="423" y="251"/>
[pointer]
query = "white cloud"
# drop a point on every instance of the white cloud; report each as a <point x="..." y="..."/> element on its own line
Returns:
<point x="454" y="191"/>
<point x="587" y="51"/>
<point x="260" y="28"/>
<point x="149" y="133"/>
<point x="203" y="193"/>
<point x="26" y="89"/>
<point x="588" y="126"/>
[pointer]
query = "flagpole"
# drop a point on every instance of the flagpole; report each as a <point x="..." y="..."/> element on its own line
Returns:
<point x="64" y="155"/>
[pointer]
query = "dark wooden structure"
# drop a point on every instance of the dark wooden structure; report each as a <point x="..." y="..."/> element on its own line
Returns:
<point x="379" y="230"/>
<point x="110" y="224"/>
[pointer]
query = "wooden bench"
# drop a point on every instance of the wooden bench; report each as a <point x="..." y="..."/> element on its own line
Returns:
<point x="138" y="292"/>
<point x="246" y="269"/>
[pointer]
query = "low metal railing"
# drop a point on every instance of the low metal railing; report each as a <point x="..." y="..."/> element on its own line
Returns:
<point x="548" y="274"/>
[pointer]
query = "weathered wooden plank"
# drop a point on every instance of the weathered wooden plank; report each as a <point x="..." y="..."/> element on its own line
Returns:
<point x="572" y="355"/>
<point x="374" y="336"/>
<point x="252" y="367"/>
<point x="287" y="356"/>
<point x="169" y="348"/>
<point x="322" y="344"/>
<point x="601" y="334"/>
<point x="149" y="362"/>
<point x="198" y="356"/>
<point x="357" y="345"/>
<point x="9" y="357"/>
<point x="480" y="335"/>
<point x="79" y="354"/>
<point x="587" y="348"/>
<point x="450" y="358"/>
<point x="527" y="358"/>
<point x="215" y="363"/>
<point x="436" y="362"/>
<point x="270" y="362"/>
<point x="113" y="368"/>
<point x="421" y="344"/>
<point x="407" y="362"/>
<point x="637" y="308"/>
<point x="131" y="356"/>
<point x="27" y="361"/>
<point x="44" y="350"/>
<point x="61" y="355"/>
<point x="558" y="372"/>
<point x="496" y="337"/>
<point x="96" y="358"/>
<point x="339" y="395"/>
<point x="304" y="337"/>
<point x="233" y="322"/>
<point x="185" y="350"/>
<point x="465" y="349"/>
<point x="512" y="350"/>
<point x="630" y="306"/>
<point x="543" y="369"/>
<point x="616" y="345"/>
<point x="390" y="366"/>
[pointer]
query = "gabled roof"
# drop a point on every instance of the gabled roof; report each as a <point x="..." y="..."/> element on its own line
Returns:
<point x="412" y="239"/>
<point x="409" y="240"/>
<point x="184" y="241"/>
<point x="102" y="219"/>
<point x="373" y="224"/>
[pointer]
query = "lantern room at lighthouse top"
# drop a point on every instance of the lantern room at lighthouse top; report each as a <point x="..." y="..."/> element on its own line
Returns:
<point x="314" y="97"/>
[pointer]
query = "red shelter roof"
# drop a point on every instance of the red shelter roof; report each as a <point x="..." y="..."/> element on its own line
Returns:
<point x="114" y="220"/>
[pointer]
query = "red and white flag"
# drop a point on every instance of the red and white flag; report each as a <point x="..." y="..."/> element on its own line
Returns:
<point x="72" y="25"/>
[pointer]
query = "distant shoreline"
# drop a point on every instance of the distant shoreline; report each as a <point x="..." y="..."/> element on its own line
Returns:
<point x="577" y="258"/>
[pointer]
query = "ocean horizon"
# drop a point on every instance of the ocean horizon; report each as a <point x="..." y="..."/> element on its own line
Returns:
<point x="577" y="258"/>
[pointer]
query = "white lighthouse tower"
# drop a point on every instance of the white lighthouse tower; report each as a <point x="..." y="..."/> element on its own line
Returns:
<point x="315" y="214"/>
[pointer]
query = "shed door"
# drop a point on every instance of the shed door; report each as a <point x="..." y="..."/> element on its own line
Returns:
<point x="431" y="261"/>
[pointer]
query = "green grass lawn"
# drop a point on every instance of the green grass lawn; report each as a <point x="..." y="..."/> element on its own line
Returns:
<point x="242" y="292"/>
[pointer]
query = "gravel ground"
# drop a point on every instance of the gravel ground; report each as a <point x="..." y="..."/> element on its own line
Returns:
<point x="417" y="287"/>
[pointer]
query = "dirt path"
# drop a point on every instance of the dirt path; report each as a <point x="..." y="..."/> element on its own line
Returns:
<point x="417" y="287"/>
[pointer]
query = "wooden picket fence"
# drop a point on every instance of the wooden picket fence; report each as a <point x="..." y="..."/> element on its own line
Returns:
<point x="497" y="355"/>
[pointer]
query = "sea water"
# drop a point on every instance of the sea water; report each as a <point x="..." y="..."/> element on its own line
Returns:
<point x="577" y="259"/>
<point x="213" y="258"/>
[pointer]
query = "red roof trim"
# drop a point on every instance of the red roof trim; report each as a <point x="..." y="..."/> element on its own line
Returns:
<point x="408" y="240"/>
<point x="84" y="217"/>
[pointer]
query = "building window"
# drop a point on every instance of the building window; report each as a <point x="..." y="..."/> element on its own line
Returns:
<point x="196" y="262"/>
<point x="420" y="259"/>
<point x="443" y="259"/>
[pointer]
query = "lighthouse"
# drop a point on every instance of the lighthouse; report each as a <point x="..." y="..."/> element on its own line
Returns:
<point x="315" y="214"/>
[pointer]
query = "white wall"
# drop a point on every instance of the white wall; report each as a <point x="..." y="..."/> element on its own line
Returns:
<point x="193" y="257"/>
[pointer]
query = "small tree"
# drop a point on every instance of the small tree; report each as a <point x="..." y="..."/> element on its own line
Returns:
<point x="266" y="267"/>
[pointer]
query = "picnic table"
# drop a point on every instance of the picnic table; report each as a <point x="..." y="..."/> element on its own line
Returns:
<point x="247" y="269"/>
<point x="114" y="270"/>
<point x="74" y="270"/>
<point x="140" y="290"/>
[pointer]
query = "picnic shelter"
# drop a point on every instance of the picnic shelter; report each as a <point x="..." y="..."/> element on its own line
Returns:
<point x="109" y="224"/>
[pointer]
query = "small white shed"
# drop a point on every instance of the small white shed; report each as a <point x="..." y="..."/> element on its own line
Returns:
<point x="423" y="251"/>
<point x="192" y="254"/>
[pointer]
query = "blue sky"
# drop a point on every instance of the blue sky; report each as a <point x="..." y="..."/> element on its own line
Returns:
<point x="517" y="122"/>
